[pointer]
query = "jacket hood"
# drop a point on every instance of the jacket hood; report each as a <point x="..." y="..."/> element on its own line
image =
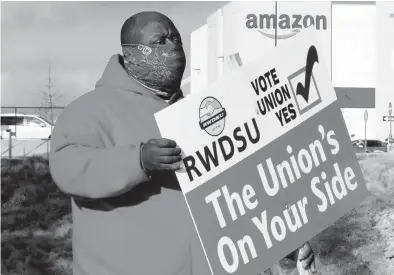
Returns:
<point x="116" y="77"/>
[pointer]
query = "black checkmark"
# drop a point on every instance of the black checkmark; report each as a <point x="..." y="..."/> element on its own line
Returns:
<point x="310" y="61"/>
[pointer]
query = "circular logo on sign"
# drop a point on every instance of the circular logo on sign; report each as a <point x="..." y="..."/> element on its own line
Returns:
<point x="212" y="116"/>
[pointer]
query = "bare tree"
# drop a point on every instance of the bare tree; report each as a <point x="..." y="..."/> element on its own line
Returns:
<point x="50" y="96"/>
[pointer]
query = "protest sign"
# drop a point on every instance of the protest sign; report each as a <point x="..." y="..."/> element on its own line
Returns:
<point x="268" y="163"/>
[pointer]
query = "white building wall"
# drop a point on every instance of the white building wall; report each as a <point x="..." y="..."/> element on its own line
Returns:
<point x="385" y="64"/>
<point x="237" y="38"/>
<point x="354" y="59"/>
<point x="199" y="59"/>
<point x="215" y="46"/>
<point x="354" y="45"/>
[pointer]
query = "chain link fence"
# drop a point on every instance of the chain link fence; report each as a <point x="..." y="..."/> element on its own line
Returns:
<point x="26" y="131"/>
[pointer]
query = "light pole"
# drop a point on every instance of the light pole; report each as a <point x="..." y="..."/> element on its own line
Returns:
<point x="390" y="134"/>
<point x="365" y="130"/>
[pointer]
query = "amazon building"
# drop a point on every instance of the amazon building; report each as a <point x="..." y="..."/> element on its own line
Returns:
<point x="357" y="39"/>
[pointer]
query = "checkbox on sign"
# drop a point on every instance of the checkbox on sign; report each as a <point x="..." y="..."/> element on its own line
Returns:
<point x="309" y="97"/>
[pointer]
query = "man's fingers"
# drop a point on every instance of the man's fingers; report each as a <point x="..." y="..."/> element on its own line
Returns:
<point x="164" y="143"/>
<point x="170" y="151"/>
<point x="304" y="251"/>
<point x="169" y="159"/>
<point x="171" y="167"/>
<point x="306" y="264"/>
<point x="313" y="266"/>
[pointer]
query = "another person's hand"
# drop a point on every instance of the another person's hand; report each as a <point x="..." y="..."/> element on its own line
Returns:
<point x="160" y="155"/>
<point x="305" y="255"/>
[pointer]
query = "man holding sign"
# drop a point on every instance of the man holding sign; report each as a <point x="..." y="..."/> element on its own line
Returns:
<point x="129" y="214"/>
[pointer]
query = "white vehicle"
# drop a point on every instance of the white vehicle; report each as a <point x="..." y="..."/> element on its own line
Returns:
<point x="25" y="126"/>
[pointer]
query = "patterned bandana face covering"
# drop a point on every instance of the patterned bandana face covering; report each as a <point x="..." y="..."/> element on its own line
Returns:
<point x="160" y="68"/>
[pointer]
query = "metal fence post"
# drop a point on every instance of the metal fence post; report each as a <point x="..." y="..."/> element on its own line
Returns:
<point x="48" y="149"/>
<point x="16" y="111"/>
<point x="10" y="143"/>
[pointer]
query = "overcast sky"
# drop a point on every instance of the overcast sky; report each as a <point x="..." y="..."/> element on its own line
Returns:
<point x="78" y="38"/>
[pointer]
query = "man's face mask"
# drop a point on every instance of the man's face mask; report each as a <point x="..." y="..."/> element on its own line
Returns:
<point x="159" y="67"/>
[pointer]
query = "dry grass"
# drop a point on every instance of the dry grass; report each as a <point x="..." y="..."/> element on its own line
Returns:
<point x="36" y="224"/>
<point x="36" y="220"/>
<point x="356" y="243"/>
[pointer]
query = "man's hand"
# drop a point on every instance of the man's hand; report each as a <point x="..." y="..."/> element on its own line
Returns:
<point x="305" y="255"/>
<point x="161" y="154"/>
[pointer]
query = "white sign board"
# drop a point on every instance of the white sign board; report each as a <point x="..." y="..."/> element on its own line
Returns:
<point x="268" y="159"/>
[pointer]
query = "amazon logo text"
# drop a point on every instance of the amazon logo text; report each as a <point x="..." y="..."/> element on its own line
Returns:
<point x="288" y="24"/>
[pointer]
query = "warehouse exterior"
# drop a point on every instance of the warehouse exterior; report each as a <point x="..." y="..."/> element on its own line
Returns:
<point x="357" y="38"/>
